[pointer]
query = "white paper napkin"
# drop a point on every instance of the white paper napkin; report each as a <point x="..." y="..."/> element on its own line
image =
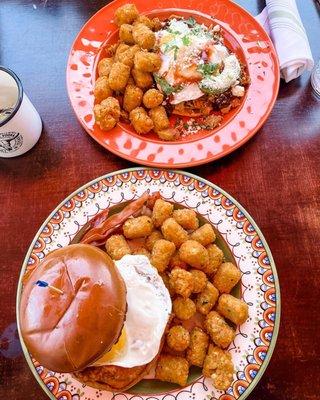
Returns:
<point x="282" y="21"/>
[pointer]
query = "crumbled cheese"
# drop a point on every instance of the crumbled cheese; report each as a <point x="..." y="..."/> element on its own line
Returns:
<point x="238" y="91"/>
<point x="227" y="78"/>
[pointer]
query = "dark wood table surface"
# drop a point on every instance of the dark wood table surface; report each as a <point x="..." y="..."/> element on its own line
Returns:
<point x="275" y="176"/>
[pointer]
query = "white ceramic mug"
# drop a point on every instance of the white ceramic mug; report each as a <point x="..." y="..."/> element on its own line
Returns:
<point x="20" y="123"/>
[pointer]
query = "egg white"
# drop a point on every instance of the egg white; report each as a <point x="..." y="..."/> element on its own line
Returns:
<point x="149" y="307"/>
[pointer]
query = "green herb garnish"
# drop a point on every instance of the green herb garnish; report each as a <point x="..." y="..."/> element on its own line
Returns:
<point x="173" y="32"/>
<point x="190" y="21"/>
<point x="186" y="40"/>
<point x="175" y="52"/>
<point x="165" y="86"/>
<point x="208" y="69"/>
<point x="198" y="30"/>
<point x="168" y="47"/>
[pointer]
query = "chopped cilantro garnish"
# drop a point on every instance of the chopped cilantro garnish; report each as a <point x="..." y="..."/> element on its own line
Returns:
<point x="168" y="47"/>
<point x="190" y="21"/>
<point x="175" y="52"/>
<point x="208" y="69"/>
<point x="186" y="40"/>
<point x="200" y="30"/>
<point x="173" y="32"/>
<point x="165" y="86"/>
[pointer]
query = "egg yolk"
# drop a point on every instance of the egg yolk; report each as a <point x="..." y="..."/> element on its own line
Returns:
<point x="116" y="349"/>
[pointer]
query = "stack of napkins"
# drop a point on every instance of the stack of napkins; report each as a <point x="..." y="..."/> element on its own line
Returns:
<point x="282" y="21"/>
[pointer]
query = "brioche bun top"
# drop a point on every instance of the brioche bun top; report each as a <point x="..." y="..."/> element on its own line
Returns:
<point x="68" y="332"/>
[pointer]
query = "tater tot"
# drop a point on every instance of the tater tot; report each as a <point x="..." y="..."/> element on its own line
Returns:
<point x="127" y="57"/>
<point x="107" y="113"/>
<point x="176" y="262"/>
<point x="194" y="254"/>
<point x="126" y="14"/>
<point x="172" y="231"/>
<point x="186" y="218"/>
<point x="172" y="369"/>
<point x="143" y="36"/>
<point x="178" y="338"/>
<point x="104" y="66"/>
<point x="104" y="120"/>
<point x="168" y="350"/>
<point x="157" y="24"/>
<point x="215" y="259"/>
<point x="138" y="227"/>
<point x="199" y="342"/>
<point x="182" y="282"/>
<point x="142" y="251"/>
<point x="207" y="299"/>
<point x="204" y="235"/>
<point x="219" y="367"/>
<point x="140" y="120"/>
<point x="143" y="19"/>
<point x="132" y="97"/>
<point x="102" y="89"/>
<point x="166" y="281"/>
<point x="148" y="62"/>
<point x="125" y="34"/>
<point x="119" y="75"/>
<point x="111" y="49"/>
<point x="183" y="308"/>
<point x="226" y="277"/>
<point x="142" y="79"/>
<point x="152" y="98"/>
<point x="121" y="48"/>
<point x="169" y="134"/>
<point x="161" y="253"/>
<point x="220" y="332"/>
<point x="152" y="238"/>
<point x="199" y="280"/>
<point x="159" y="118"/>
<point x="117" y="247"/>
<point x="161" y="211"/>
<point x="233" y="309"/>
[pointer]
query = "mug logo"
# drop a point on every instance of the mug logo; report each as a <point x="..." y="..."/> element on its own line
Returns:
<point x="10" y="141"/>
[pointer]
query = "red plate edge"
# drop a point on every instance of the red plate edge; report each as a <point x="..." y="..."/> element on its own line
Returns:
<point x="195" y="162"/>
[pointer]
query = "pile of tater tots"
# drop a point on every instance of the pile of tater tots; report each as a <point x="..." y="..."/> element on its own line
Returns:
<point x="125" y="88"/>
<point x="199" y="281"/>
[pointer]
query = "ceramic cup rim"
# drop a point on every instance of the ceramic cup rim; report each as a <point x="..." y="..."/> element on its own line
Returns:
<point x="20" y="94"/>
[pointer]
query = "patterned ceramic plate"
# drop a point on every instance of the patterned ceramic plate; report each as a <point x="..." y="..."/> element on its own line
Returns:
<point x="238" y="236"/>
<point x="243" y="35"/>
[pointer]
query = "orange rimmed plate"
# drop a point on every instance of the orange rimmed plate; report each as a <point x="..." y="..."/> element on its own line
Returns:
<point x="243" y="35"/>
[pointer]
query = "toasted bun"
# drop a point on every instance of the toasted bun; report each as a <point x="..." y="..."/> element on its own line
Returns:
<point x="67" y="332"/>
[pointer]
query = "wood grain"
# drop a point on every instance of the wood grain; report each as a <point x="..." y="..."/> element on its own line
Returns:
<point x="275" y="176"/>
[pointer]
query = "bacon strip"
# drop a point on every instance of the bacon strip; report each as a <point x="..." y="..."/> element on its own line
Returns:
<point x="99" y="233"/>
<point x="99" y="218"/>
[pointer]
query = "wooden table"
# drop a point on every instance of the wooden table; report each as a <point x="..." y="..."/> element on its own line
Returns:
<point x="275" y="176"/>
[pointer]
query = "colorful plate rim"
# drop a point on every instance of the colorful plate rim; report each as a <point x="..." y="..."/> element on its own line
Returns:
<point x="183" y="164"/>
<point x="276" y="325"/>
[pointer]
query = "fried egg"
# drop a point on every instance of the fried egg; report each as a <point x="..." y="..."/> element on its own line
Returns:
<point x="148" y="311"/>
<point x="194" y="62"/>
